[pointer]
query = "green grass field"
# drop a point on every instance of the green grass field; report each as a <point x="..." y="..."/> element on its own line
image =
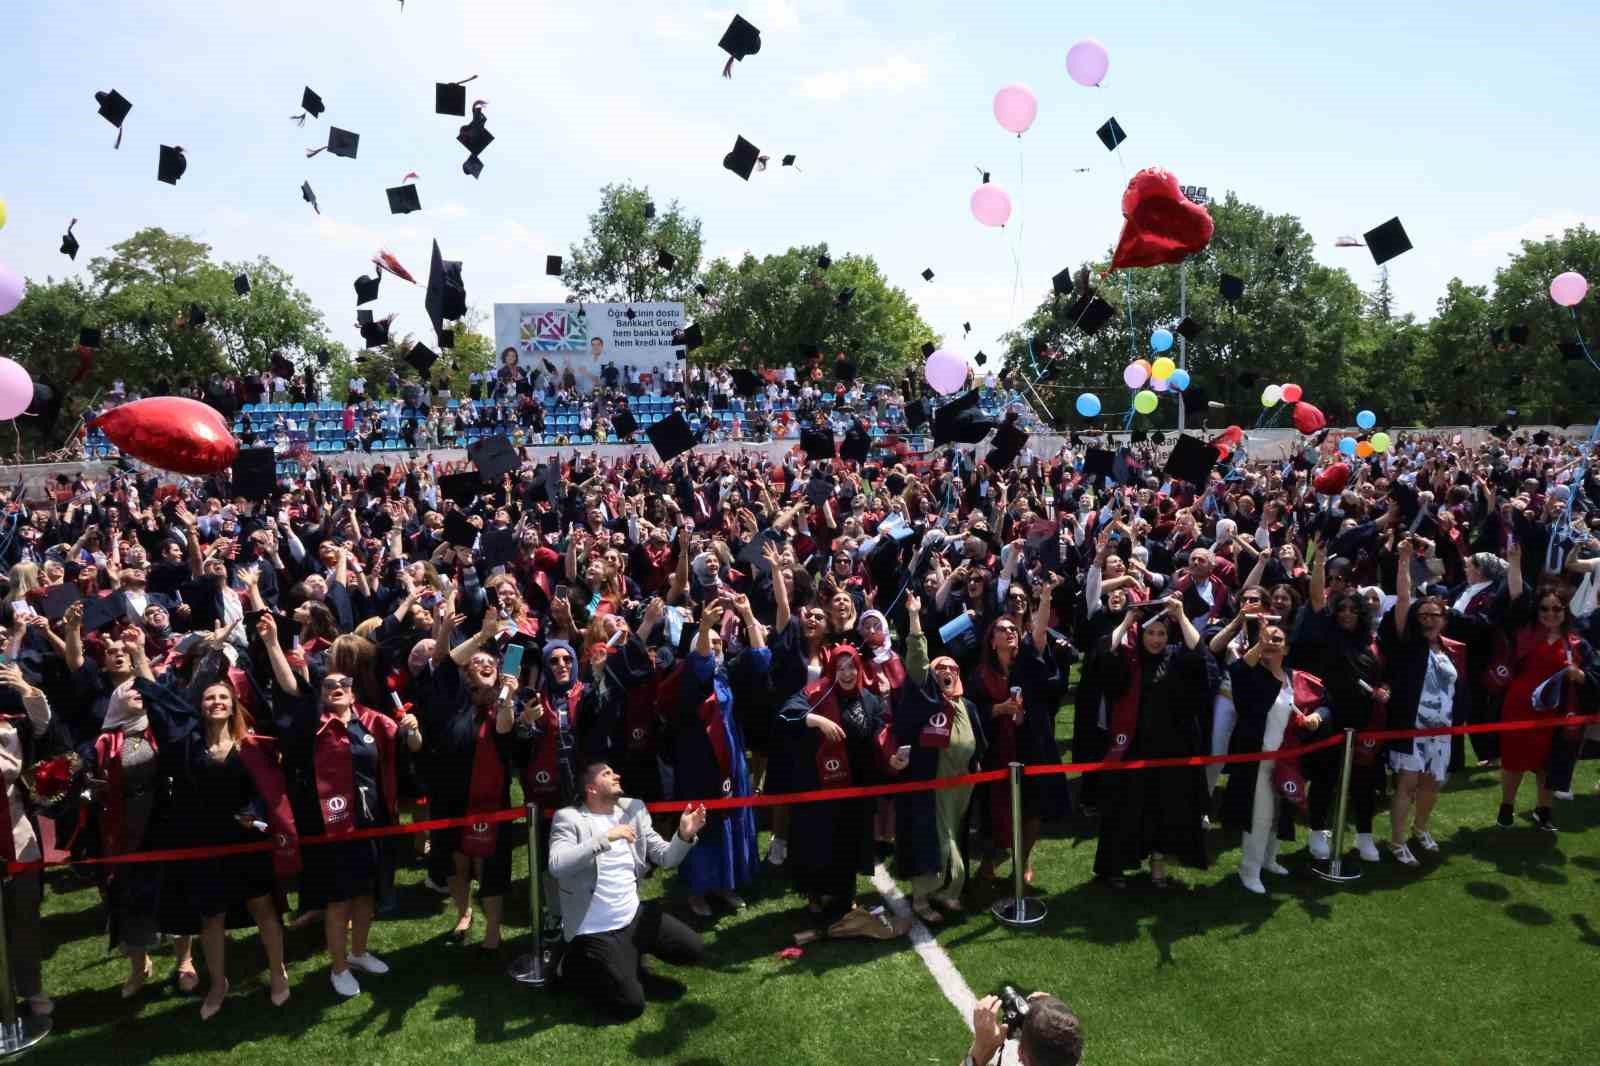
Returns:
<point x="1488" y="954"/>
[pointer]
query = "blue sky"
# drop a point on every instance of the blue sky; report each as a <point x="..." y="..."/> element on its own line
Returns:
<point x="1471" y="121"/>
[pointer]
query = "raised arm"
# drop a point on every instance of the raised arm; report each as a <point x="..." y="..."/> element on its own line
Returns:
<point x="1319" y="575"/>
<point x="1402" y="586"/>
<point x="916" y="642"/>
<point x="282" y="672"/>
<point x="780" y="587"/>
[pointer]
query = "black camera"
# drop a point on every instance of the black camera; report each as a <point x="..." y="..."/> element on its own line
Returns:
<point x="1013" y="1010"/>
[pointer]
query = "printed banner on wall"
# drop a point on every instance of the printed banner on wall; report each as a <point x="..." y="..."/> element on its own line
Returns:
<point x="585" y="342"/>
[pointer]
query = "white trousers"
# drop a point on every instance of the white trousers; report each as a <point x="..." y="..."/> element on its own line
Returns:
<point x="1223" y="717"/>
<point x="1259" y="847"/>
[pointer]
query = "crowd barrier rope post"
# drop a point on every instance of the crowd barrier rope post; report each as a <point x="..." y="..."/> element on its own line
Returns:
<point x="1020" y="911"/>
<point x="529" y="969"/>
<point x="1334" y="868"/>
<point x="16" y="1034"/>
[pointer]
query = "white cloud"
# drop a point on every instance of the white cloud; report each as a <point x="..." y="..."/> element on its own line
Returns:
<point x="1509" y="241"/>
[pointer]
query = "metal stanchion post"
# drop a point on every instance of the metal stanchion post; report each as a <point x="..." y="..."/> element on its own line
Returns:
<point x="16" y="1034"/>
<point x="1335" y="868"/>
<point x="1020" y="911"/>
<point x="529" y="969"/>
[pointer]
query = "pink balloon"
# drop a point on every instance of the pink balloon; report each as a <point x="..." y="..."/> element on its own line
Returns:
<point x="1136" y="373"/>
<point x="1087" y="62"/>
<point x="991" y="204"/>
<point x="1160" y="384"/>
<point x="12" y="290"/>
<point x="1569" y="289"/>
<point x="16" y="389"/>
<point x="946" y="372"/>
<point x="1015" y="108"/>
<point x="1292" y="393"/>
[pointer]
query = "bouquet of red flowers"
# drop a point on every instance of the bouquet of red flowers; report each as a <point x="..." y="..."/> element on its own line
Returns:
<point x="58" y="785"/>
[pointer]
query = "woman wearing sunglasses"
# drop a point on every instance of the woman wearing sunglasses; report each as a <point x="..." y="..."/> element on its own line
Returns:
<point x="340" y="761"/>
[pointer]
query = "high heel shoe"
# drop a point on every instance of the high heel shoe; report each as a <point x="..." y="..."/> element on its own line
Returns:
<point x="207" y="1011"/>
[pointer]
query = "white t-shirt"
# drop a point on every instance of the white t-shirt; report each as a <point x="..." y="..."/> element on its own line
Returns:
<point x="358" y="385"/>
<point x="616" y="889"/>
<point x="1438" y="692"/>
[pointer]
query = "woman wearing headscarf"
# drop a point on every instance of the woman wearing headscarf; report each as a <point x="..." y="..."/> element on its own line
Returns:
<point x="944" y="736"/>
<point x="23" y="890"/>
<point x="886" y="675"/>
<point x="836" y="737"/>
<point x="340" y="761"/>
<point x="709" y="757"/>
<point x="1156" y="691"/>
<point x="1018" y="691"/>
<point x="227" y="789"/>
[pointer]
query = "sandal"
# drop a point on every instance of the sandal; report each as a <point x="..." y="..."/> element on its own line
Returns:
<point x="926" y="913"/>
<point x="1402" y="854"/>
<point x="187" y="980"/>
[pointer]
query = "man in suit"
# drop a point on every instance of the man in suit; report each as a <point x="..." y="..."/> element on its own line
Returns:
<point x="599" y="849"/>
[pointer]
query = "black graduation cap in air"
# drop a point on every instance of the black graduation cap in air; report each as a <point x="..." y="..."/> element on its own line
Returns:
<point x="742" y="160"/>
<point x="403" y="199"/>
<point x="928" y="348"/>
<point x="323" y="357"/>
<point x="624" y="424"/>
<point x="1191" y="460"/>
<point x="69" y="243"/>
<point x="1061" y="281"/>
<point x="1387" y="241"/>
<point x="1188" y="329"/>
<point x="422" y="357"/>
<point x="701" y="291"/>
<point x="1247" y="379"/>
<point x="817" y="443"/>
<point x="1098" y="461"/>
<point x="746" y="382"/>
<point x="375" y="331"/>
<point x="458" y="531"/>
<point x="312" y="103"/>
<point x="845" y="296"/>
<point x="1542" y="437"/>
<point x="459" y="488"/>
<point x="981" y="359"/>
<point x="1111" y="134"/>
<point x="1126" y="467"/>
<point x="671" y="436"/>
<point x="493" y="456"/>
<point x="171" y="165"/>
<point x="823" y="262"/>
<point x="844" y="369"/>
<point x="450" y="97"/>
<point x="789" y="159"/>
<point x="1139" y="436"/>
<point x="89" y="337"/>
<point x="340" y="143"/>
<point x="475" y="135"/>
<point x="689" y="338"/>
<point x="255" y="473"/>
<point x="114" y="108"/>
<point x="927" y="275"/>
<point x="241" y="284"/>
<point x="197" y="315"/>
<point x="552" y="266"/>
<point x="447" y="294"/>
<point x="961" y="421"/>
<point x="309" y="197"/>
<point x="472" y="166"/>
<point x="1006" y="446"/>
<point x="649" y="210"/>
<point x="367" y="288"/>
<point x="856" y="446"/>
<point x="1090" y="314"/>
<point x="739" y="40"/>
<point x="916" y="414"/>
<point x="1231" y="286"/>
<point x="665" y="259"/>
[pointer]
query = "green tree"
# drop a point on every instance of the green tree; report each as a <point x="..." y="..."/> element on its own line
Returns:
<point x="473" y="351"/>
<point x="780" y="310"/>
<point x="618" y="262"/>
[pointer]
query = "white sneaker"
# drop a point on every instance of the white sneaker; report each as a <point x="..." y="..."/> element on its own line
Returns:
<point x="1367" y="849"/>
<point x="1321" y="843"/>
<point x="1426" y="842"/>
<point x="346" y="985"/>
<point x="368" y="963"/>
<point x="1562" y="795"/>
<point x="1252" y="881"/>
<point x="1274" y="867"/>
<point x="778" y="853"/>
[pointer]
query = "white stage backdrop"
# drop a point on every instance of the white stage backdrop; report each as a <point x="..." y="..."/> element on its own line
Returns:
<point x="584" y="343"/>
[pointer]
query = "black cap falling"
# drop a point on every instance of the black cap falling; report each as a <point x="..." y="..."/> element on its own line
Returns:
<point x="649" y="210"/>
<point x="552" y="265"/>
<point x="367" y="288"/>
<point x="1188" y="329"/>
<point x="624" y="424"/>
<point x="746" y="382"/>
<point x="1111" y="134"/>
<point x="197" y="315"/>
<point x="688" y="338"/>
<point x="114" y="108"/>
<point x="450" y="97"/>
<point x="375" y="331"/>
<point x="701" y="291"/>
<point x="789" y="159"/>
<point x="312" y="103"/>
<point x="857" y="444"/>
<point x="916" y="414"/>
<point x="241" y="284"/>
<point x="1006" y="446"/>
<point x="817" y="443"/>
<point x="981" y="359"/>
<point x="475" y="135"/>
<point x="89" y="337"/>
<point x="171" y="165"/>
<point x="844" y="369"/>
<point x="1061" y="281"/>
<point x="324" y="357"/>
<point x="665" y="259"/>
<point x="281" y="365"/>
<point x="447" y="293"/>
<point x="494" y="457"/>
<point x="1231" y="286"/>
<point x="69" y="243"/>
<point x="472" y="166"/>
<point x="961" y="421"/>
<point x="1090" y="314"/>
<point x="927" y="275"/>
<point x="742" y="160"/>
<point x="422" y="357"/>
<point x="671" y="436"/>
<point x="845" y="296"/>
<point x="823" y="262"/>
<point x="403" y="199"/>
<point x="928" y="348"/>
<point x="1191" y="460"/>
<point x="739" y="40"/>
<point x="309" y="197"/>
<point x="340" y="143"/>
<point x="1387" y="241"/>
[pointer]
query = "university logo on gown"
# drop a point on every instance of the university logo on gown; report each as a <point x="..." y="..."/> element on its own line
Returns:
<point x="727" y="786"/>
<point x="940" y="720"/>
<point x="638" y="734"/>
<point x="832" y="766"/>
<point x="542" y="777"/>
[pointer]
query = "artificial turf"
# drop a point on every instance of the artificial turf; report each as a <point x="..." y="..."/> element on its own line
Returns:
<point x="1488" y="954"/>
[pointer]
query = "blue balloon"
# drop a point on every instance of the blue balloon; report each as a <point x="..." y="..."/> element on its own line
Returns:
<point x="1088" y="404"/>
<point x="1179" y="379"/>
<point x="1366" y="420"/>
<point x="1347" y="445"/>
<point x="1160" y="340"/>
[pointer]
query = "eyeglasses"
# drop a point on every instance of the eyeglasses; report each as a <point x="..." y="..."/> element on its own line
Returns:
<point x="335" y="683"/>
<point x="1430" y="614"/>
<point x="1005" y="629"/>
<point x="560" y="657"/>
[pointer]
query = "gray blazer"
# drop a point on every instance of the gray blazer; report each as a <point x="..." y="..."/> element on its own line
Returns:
<point x="575" y="846"/>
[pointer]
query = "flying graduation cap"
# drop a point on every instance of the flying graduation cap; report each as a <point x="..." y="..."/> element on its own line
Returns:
<point x="450" y="97"/>
<point x="665" y="260"/>
<point x="309" y="196"/>
<point x="367" y="288"/>
<point x="1387" y="241"/>
<point x="374" y="331"/>
<point x="475" y="135"/>
<point x="741" y="39"/>
<point x="447" y="294"/>
<point x="742" y="160"/>
<point x="422" y="357"/>
<point x="311" y="104"/>
<point x="1111" y="134"/>
<point x="403" y="198"/>
<point x="114" y="108"/>
<point x="340" y="143"/>
<point x="927" y="274"/>
<point x="241" y="284"/>
<point x="69" y="243"/>
<point x="171" y="165"/>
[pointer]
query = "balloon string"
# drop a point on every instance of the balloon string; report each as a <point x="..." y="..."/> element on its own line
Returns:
<point x="1022" y="210"/>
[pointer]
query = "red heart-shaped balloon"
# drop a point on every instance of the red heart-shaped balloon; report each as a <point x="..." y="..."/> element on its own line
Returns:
<point x="1163" y="225"/>
<point x="172" y="433"/>
<point x="1307" y="418"/>
<point x="1331" y="482"/>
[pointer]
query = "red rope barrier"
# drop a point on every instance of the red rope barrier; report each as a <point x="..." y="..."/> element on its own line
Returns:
<point x="823" y="795"/>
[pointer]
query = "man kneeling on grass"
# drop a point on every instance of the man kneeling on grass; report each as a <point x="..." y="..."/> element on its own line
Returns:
<point x="598" y="851"/>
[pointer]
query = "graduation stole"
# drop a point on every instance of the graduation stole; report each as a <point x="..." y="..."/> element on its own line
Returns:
<point x="486" y="788"/>
<point x="108" y="757"/>
<point x="259" y="756"/>
<point x="542" y="777"/>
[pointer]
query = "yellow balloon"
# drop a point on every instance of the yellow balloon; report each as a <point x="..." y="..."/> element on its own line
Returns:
<point x="1380" y="442"/>
<point x="1145" y="401"/>
<point x="2" y="214"/>
<point x="1162" y="368"/>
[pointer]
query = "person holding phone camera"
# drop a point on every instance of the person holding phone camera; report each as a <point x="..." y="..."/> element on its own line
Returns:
<point x="1047" y="1032"/>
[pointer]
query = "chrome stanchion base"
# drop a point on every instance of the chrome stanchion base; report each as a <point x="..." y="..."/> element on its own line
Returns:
<point x="1339" y="871"/>
<point x="1019" y="912"/>
<point x="15" y="1039"/>
<point x="529" y="970"/>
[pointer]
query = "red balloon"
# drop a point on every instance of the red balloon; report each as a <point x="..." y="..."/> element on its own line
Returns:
<point x="1332" y="481"/>
<point x="172" y="433"/>
<point x="1162" y="225"/>
<point x="1292" y="393"/>
<point x="1223" y="450"/>
<point x="1231" y="435"/>
<point x="1307" y="419"/>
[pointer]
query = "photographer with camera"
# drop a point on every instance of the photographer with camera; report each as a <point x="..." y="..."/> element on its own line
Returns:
<point x="1045" y="1030"/>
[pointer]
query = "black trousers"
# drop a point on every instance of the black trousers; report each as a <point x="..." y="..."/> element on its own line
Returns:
<point x="605" y="968"/>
